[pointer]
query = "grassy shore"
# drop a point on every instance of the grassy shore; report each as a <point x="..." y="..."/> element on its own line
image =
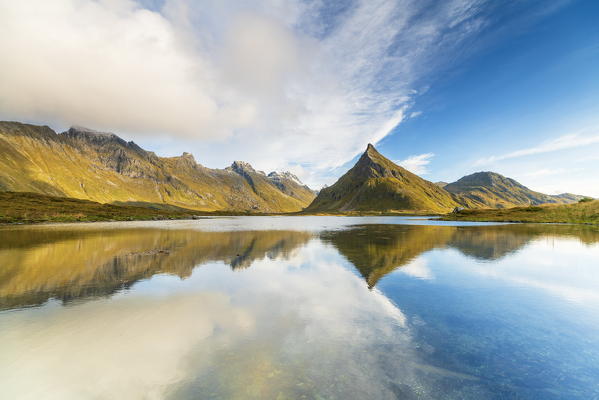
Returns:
<point x="585" y="212"/>
<point x="32" y="208"/>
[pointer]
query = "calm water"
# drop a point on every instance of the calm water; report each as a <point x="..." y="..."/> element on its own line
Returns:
<point x="299" y="307"/>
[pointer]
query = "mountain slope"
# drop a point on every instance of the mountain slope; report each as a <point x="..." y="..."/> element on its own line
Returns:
<point x="102" y="167"/>
<point x="377" y="184"/>
<point x="490" y="189"/>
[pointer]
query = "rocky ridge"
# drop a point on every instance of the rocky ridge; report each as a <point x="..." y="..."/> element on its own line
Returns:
<point x="99" y="166"/>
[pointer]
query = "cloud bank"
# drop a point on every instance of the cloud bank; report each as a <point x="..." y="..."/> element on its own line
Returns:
<point x="305" y="84"/>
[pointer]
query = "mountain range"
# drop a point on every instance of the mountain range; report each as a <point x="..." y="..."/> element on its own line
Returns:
<point x="375" y="183"/>
<point x="86" y="164"/>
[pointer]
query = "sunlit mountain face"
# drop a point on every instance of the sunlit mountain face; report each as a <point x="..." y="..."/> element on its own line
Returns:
<point x="285" y="307"/>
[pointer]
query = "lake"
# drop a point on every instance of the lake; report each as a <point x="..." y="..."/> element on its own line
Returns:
<point x="299" y="308"/>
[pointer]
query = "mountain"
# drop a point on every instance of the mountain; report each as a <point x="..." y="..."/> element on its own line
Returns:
<point x="375" y="183"/>
<point x="490" y="189"/>
<point x="569" y="198"/>
<point x="85" y="164"/>
<point x="441" y="184"/>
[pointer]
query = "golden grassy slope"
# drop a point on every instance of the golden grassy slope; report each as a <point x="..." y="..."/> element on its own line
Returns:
<point x="586" y="212"/>
<point x="492" y="190"/>
<point x="105" y="168"/>
<point x="34" y="208"/>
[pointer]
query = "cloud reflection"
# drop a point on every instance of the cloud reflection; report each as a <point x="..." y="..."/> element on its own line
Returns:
<point x="259" y="315"/>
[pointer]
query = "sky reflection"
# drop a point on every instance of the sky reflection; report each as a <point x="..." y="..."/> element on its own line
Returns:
<point x="367" y="311"/>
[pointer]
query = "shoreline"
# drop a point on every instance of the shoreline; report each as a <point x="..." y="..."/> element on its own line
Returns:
<point x="25" y="208"/>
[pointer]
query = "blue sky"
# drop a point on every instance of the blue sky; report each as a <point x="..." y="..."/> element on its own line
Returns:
<point x="525" y="89"/>
<point x="446" y="88"/>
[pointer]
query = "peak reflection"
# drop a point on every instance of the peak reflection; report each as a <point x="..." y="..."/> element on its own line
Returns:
<point x="68" y="263"/>
<point x="376" y="250"/>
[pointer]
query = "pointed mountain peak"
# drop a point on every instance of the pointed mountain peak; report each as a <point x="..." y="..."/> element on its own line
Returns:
<point x="369" y="154"/>
<point x="95" y="137"/>
<point x="83" y="131"/>
<point x="188" y="156"/>
<point x="374" y="164"/>
<point x="278" y="176"/>
<point x="376" y="183"/>
<point x="241" y="167"/>
<point x="371" y="151"/>
<point x="186" y="159"/>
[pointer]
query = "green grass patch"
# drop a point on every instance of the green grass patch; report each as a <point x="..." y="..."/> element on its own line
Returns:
<point x="583" y="212"/>
<point x="32" y="208"/>
<point x="18" y="207"/>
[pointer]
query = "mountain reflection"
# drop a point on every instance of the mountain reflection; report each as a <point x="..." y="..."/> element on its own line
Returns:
<point x="376" y="250"/>
<point x="39" y="264"/>
<point x="69" y="263"/>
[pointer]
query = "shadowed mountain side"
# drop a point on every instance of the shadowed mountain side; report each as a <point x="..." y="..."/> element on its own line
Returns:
<point x="377" y="250"/>
<point x="85" y="164"/>
<point x="39" y="264"/>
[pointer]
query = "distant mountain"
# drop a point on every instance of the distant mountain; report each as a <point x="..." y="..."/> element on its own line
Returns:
<point x="375" y="183"/>
<point x="569" y="197"/>
<point x="85" y="164"/>
<point x="490" y="189"/>
<point x="441" y="184"/>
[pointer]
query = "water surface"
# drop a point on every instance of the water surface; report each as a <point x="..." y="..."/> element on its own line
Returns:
<point x="299" y="307"/>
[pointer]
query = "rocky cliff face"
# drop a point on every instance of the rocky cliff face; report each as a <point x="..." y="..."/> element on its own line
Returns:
<point x="290" y="184"/>
<point x="98" y="166"/>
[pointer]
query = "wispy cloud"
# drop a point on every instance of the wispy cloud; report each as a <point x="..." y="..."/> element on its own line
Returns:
<point x="544" y="172"/>
<point x="417" y="163"/>
<point x="302" y="82"/>
<point x="560" y="143"/>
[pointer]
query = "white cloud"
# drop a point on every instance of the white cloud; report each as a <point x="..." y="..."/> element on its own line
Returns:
<point x="275" y="83"/>
<point x="417" y="269"/>
<point x="560" y="143"/>
<point x="121" y="349"/>
<point x="106" y="64"/>
<point x="417" y="163"/>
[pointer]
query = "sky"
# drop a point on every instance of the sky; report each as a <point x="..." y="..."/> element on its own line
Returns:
<point x="445" y="88"/>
